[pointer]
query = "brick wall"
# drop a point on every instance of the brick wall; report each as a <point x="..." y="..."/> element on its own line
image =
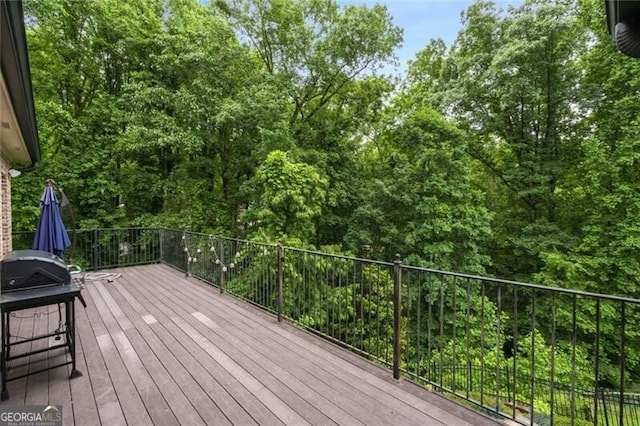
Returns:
<point x="5" y="208"/>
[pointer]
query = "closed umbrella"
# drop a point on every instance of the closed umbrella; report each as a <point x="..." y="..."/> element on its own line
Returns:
<point x="51" y="235"/>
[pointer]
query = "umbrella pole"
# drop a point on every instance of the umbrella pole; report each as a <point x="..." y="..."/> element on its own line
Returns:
<point x="64" y="200"/>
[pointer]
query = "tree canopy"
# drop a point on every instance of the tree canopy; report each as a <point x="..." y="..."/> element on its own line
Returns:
<point x="510" y="151"/>
<point x="513" y="152"/>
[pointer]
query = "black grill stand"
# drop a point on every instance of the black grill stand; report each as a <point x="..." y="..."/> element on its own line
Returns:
<point x="19" y="300"/>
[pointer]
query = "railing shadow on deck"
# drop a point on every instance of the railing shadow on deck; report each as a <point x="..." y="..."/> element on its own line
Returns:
<point x="530" y="353"/>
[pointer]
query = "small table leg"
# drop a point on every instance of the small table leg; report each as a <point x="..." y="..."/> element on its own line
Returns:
<point x="71" y="336"/>
<point x="5" y="354"/>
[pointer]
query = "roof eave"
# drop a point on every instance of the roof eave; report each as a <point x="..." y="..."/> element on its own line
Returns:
<point x="14" y="63"/>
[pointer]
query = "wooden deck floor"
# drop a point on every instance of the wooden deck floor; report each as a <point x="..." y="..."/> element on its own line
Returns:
<point x="158" y="348"/>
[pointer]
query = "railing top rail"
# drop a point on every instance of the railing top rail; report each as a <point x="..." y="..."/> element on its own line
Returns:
<point x="142" y="228"/>
<point x="126" y="228"/>
<point x="339" y="256"/>
<point x="319" y="253"/>
<point x="219" y="237"/>
<point x="452" y="274"/>
<point x="526" y="285"/>
<point x="520" y="284"/>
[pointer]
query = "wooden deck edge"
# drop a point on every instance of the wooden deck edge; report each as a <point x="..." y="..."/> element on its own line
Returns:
<point x="465" y="413"/>
<point x="437" y="399"/>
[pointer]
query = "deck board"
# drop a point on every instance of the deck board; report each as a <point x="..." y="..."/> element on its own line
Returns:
<point x="57" y="377"/>
<point x="92" y="365"/>
<point x="22" y="323"/>
<point x="246" y="366"/>
<point x="241" y="398"/>
<point x="37" y="384"/>
<point x="364" y="397"/>
<point x="129" y="400"/>
<point x="158" y="348"/>
<point x="196" y="407"/>
<point x="140" y="372"/>
<point x="265" y="345"/>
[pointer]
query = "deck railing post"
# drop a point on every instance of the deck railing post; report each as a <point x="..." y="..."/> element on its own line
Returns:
<point x="96" y="248"/>
<point x="604" y="407"/>
<point x="280" y="279"/>
<point x="623" y="356"/>
<point x="397" y="278"/>
<point x="221" y="266"/>
<point x="161" y="245"/>
<point x="187" y="253"/>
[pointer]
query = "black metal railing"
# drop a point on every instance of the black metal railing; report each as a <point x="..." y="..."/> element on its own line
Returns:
<point x="532" y="349"/>
<point x="94" y="249"/>
<point x="534" y="354"/>
<point x="531" y="353"/>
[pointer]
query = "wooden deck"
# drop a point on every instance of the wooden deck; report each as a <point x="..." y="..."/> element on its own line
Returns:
<point x="158" y="348"/>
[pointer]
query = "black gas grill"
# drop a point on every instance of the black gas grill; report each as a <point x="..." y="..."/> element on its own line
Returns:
<point x="28" y="279"/>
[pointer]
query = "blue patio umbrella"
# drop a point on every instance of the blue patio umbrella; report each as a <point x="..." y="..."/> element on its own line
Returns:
<point x="51" y="234"/>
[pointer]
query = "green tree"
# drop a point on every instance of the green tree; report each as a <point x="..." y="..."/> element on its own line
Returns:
<point x="509" y="81"/>
<point x="291" y="195"/>
<point x="208" y="116"/>
<point x="421" y="202"/>
<point x="81" y="56"/>
<point x="316" y="47"/>
<point x="325" y="58"/>
<point x="604" y="191"/>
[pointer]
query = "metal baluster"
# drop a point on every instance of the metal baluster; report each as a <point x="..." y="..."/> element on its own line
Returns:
<point x="430" y="371"/>
<point x="468" y="339"/>
<point x="597" y="362"/>
<point x="96" y="252"/>
<point x="397" y="274"/>
<point x="441" y="336"/>
<point x="573" y="359"/>
<point x="280" y="280"/>
<point x="533" y="357"/>
<point x="515" y="349"/>
<point x="453" y="332"/>
<point x="498" y="347"/>
<point x="482" y="344"/>
<point x="418" y="326"/>
<point x="553" y="355"/>
<point x="623" y="321"/>
<point x="221" y="264"/>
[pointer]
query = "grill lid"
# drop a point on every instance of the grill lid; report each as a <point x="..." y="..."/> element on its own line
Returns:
<point x="26" y="269"/>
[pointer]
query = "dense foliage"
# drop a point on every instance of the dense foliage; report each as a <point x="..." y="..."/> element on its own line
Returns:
<point x="514" y="152"/>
